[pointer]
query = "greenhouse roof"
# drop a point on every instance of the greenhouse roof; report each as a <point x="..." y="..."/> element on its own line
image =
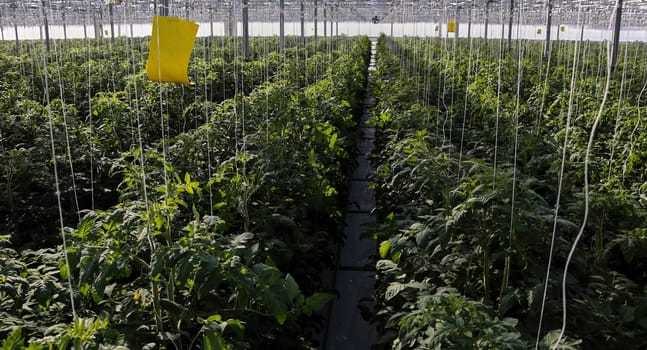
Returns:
<point x="595" y="12"/>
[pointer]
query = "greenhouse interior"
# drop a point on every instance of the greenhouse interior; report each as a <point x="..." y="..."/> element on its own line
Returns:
<point x="323" y="174"/>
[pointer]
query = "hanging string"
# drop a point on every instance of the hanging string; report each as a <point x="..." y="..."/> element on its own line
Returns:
<point x="498" y="102"/>
<point x="427" y="78"/>
<point x="441" y="96"/>
<point x="614" y="140"/>
<point x="50" y="123"/>
<point x="91" y="121"/>
<point x="222" y="64"/>
<point x="476" y="69"/>
<point x="266" y="74"/>
<point x="242" y="115"/>
<point x="236" y="89"/>
<point x="163" y="131"/>
<point x="560" y="179"/>
<point x="467" y="87"/>
<point x="416" y="64"/>
<point x="206" y="124"/>
<point x="540" y="112"/>
<point x="457" y="60"/>
<point x="140" y="142"/>
<point x="507" y="260"/>
<point x="1" y="28"/>
<point x="636" y="127"/>
<point x="149" y="238"/>
<point x="586" y="185"/>
<point x="65" y="126"/>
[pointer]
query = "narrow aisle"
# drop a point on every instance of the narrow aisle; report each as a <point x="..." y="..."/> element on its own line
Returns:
<point x="355" y="276"/>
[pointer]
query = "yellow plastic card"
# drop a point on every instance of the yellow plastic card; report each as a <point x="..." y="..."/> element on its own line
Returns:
<point x="538" y="31"/>
<point x="451" y="27"/>
<point x="171" y="45"/>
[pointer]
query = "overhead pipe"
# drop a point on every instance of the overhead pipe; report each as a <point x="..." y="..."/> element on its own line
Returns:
<point x="487" y="16"/>
<point x="131" y="22"/>
<point x="231" y="26"/>
<point x="337" y="19"/>
<point x="210" y="21"/>
<point x="164" y="8"/>
<point x="332" y="14"/>
<point x="303" y="24"/>
<point x="616" y="34"/>
<point x="441" y="20"/>
<point x="64" y="25"/>
<point x="95" y="25"/>
<point x="549" y="24"/>
<point x="510" y="18"/>
<point x="245" y="29"/>
<point x="46" y="25"/>
<point x="469" y="21"/>
<point x="85" y="26"/>
<point x="282" y="25"/>
<point x="325" y="20"/>
<point x="392" y="18"/>
<point x="15" y="26"/>
<point x="456" y="17"/>
<point x="112" y="22"/>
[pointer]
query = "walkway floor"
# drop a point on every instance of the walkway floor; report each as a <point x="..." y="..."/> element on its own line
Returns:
<point x="354" y="279"/>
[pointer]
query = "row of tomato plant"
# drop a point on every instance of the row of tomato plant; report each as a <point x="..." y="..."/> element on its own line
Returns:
<point x="466" y="180"/>
<point x="220" y="232"/>
<point x="98" y="92"/>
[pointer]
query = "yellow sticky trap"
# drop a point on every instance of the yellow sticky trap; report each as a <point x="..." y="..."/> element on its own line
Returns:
<point x="538" y="31"/>
<point x="562" y="28"/>
<point x="451" y="27"/>
<point x="436" y="29"/>
<point x="171" y="44"/>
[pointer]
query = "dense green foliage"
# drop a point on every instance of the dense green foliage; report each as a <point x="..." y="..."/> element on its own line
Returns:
<point x="106" y="94"/>
<point x="466" y="186"/>
<point x="201" y="216"/>
<point x="213" y="233"/>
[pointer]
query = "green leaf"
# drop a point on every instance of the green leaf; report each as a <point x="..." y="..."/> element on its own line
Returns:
<point x="387" y="266"/>
<point x="65" y="272"/>
<point x="384" y="248"/>
<point x="393" y="290"/>
<point x="276" y="307"/>
<point x="240" y="241"/>
<point x="85" y="227"/>
<point x="535" y="295"/>
<point x="291" y="287"/>
<point x="333" y="140"/>
<point x="315" y="302"/>
<point x="330" y="191"/>
<point x="14" y="340"/>
<point x="214" y="341"/>
<point x="507" y="301"/>
<point x="549" y="340"/>
<point x="214" y="318"/>
<point x="236" y="326"/>
<point x="219" y="205"/>
<point x="171" y="307"/>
